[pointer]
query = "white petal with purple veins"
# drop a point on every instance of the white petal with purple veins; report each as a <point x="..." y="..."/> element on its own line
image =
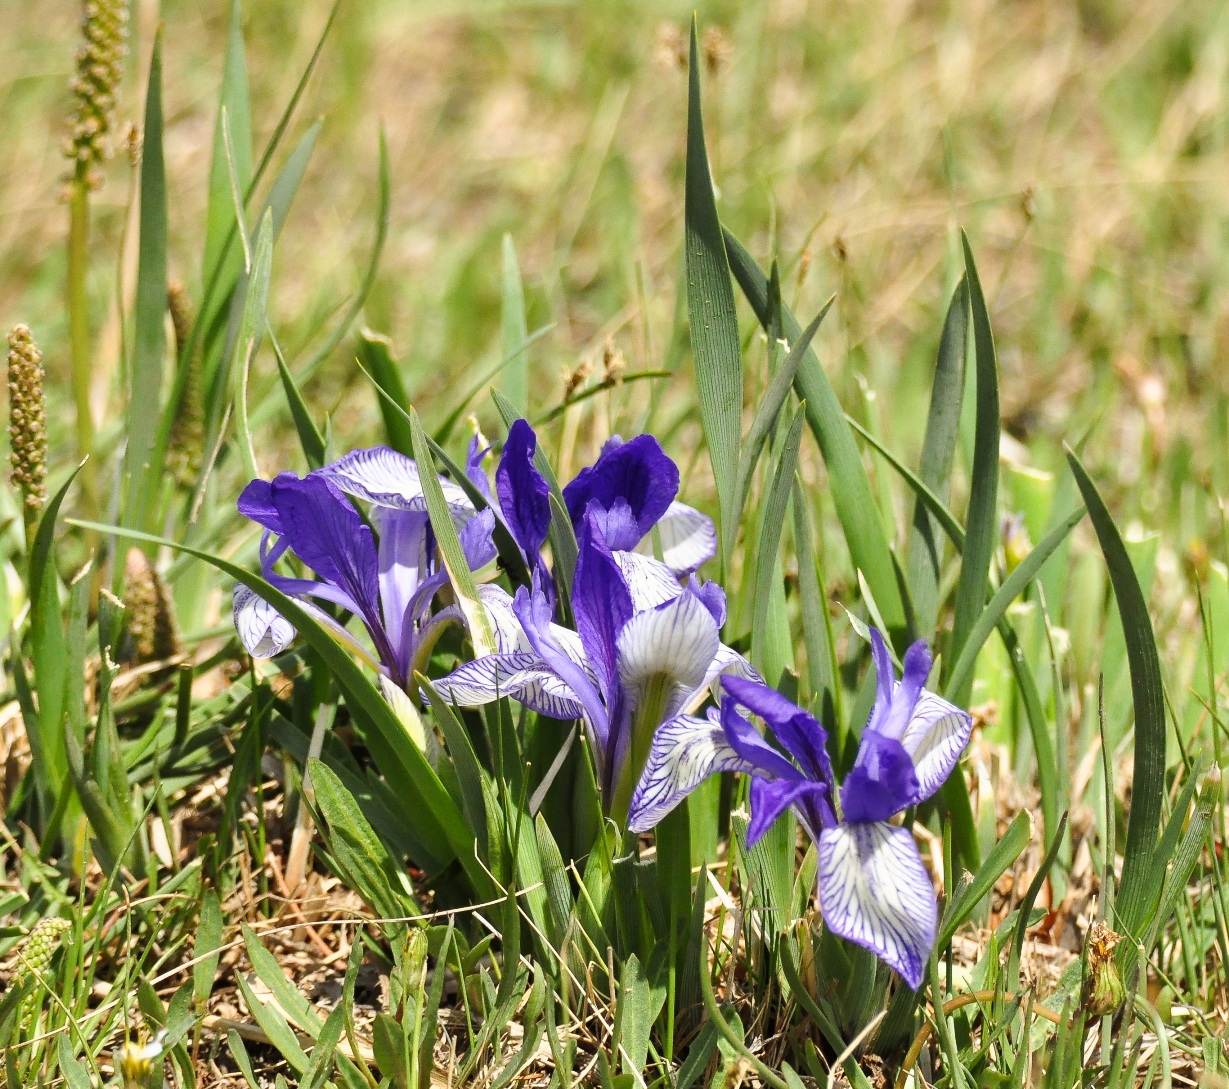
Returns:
<point x="383" y="476"/>
<point x="518" y="676"/>
<point x="688" y="538"/>
<point x="263" y="631"/>
<point x="650" y="581"/>
<point x="685" y="752"/>
<point x="874" y="890"/>
<point x="675" y="642"/>
<point x="935" y="737"/>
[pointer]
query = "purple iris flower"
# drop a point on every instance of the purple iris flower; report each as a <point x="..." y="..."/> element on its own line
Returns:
<point x="874" y="888"/>
<point x="387" y="581"/>
<point x="646" y="648"/>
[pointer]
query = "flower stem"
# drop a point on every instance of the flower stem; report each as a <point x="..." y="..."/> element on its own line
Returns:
<point x="644" y="725"/>
<point x="79" y="335"/>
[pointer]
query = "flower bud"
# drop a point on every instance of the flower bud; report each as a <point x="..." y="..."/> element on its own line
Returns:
<point x="100" y="64"/>
<point x="27" y="422"/>
<point x="1016" y="542"/>
<point x="1103" y="989"/>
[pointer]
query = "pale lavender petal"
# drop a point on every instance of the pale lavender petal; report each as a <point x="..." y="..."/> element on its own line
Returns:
<point x="688" y="539"/>
<point x="935" y="738"/>
<point x="874" y="890"/>
<point x="262" y="630"/>
<point x="885" y="682"/>
<point x="907" y="690"/>
<point x="650" y="582"/>
<point x="403" y="563"/>
<point x="673" y="644"/>
<point x="475" y="454"/>
<point x="713" y="597"/>
<point x="685" y="752"/>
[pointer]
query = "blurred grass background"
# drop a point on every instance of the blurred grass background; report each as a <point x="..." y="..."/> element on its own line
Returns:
<point x="1083" y="145"/>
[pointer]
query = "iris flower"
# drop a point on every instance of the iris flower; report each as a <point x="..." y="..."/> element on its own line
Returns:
<point x="646" y="648"/>
<point x="874" y="888"/>
<point x="388" y="582"/>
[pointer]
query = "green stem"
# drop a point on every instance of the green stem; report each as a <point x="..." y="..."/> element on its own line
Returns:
<point x="79" y="335"/>
<point x="644" y="725"/>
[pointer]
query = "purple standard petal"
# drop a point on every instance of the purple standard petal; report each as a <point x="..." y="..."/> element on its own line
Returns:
<point x="688" y="539"/>
<point x="262" y="630"/>
<point x="745" y="740"/>
<point x="478" y="539"/>
<point x="685" y="752"/>
<point x="881" y="783"/>
<point x="524" y="495"/>
<point x="475" y="454"/>
<point x="601" y="602"/>
<point x="934" y="739"/>
<point x="638" y="472"/>
<point x="772" y="797"/>
<point x="874" y="890"/>
<point x="256" y="503"/>
<point x="801" y="734"/>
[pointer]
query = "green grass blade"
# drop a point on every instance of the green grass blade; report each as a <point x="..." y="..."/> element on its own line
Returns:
<point x="852" y="497"/>
<point x="766" y="565"/>
<point x="149" y="334"/>
<point x="822" y="665"/>
<point x="981" y="524"/>
<point x="459" y="574"/>
<point x="376" y="357"/>
<point x="310" y="438"/>
<point x="714" y="322"/>
<point x="251" y="332"/>
<point x="961" y="677"/>
<point x="1005" y="852"/>
<point x="220" y="220"/>
<point x="1135" y="890"/>
<point x="514" y="332"/>
<point x="938" y="449"/>
<point x="770" y="409"/>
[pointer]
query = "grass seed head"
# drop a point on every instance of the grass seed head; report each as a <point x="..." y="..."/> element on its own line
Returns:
<point x="27" y="421"/>
<point x="187" y="445"/>
<point x="35" y="952"/>
<point x="99" y="67"/>
<point x="151" y="613"/>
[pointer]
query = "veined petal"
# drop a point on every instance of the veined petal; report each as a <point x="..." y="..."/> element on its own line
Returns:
<point x="935" y="737"/>
<point x="650" y="581"/>
<point x="381" y="475"/>
<point x="685" y="752"/>
<point x="262" y="630"/>
<point x="510" y="637"/>
<point x="874" y="890"/>
<point x="688" y="539"/>
<point x="518" y="676"/>
<point x="727" y="662"/>
<point x="675" y="642"/>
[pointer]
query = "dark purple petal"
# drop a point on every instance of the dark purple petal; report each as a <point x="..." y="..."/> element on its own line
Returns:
<point x="881" y="783"/>
<point x="534" y="611"/>
<point x="885" y="682"/>
<point x="478" y="539"/>
<point x="745" y="740"/>
<point x="874" y="890"/>
<point x="638" y="472"/>
<point x="769" y="799"/>
<point x="601" y="603"/>
<point x="256" y="503"/>
<point x="713" y="597"/>
<point x="616" y="525"/>
<point x="524" y="495"/>
<point x="801" y="734"/>
<point x="474" y="456"/>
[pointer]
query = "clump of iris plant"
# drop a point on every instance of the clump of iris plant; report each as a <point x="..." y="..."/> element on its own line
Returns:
<point x="646" y="647"/>
<point x="873" y="887"/>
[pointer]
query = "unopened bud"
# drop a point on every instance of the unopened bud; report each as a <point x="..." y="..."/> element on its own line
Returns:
<point x="27" y="422"/>
<point x="1016" y="542"/>
<point x="1103" y="989"/>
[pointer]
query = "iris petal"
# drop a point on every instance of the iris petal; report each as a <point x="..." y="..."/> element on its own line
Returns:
<point x="638" y="472"/>
<point x="874" y="890"/>
<point x="381" y="475"/>
<point x="263" y="631"/>
<point x="650" y="582"/>
<point x="685" y="752"/>
<point x="519" y="676"/>
<point x="935" y="738"/>
<point x="688" y="539"/>
<point x="524" y="495"/>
